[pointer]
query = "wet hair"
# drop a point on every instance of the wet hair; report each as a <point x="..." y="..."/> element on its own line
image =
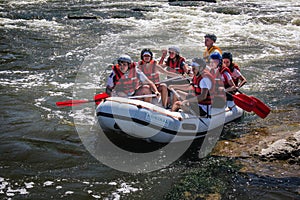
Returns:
<point x="227" y="55"/>
<point x="213" y="37"/>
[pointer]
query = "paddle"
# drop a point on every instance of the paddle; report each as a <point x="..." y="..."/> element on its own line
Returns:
<point x="97" y="99"/>
<point x="261" y="109"/>
<point x="243" y="101"/>
<point x="177" y="78"/>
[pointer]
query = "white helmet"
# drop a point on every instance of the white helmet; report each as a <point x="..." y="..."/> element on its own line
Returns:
<point x="175" y="48"/>
<point x="125" y="58"/>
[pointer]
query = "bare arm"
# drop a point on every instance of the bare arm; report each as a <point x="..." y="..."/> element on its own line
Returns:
<point x="164" y="53"/>
<point x="243" y="81"/>
<point x="232" y="86"/>
<point x="152" y="85"/>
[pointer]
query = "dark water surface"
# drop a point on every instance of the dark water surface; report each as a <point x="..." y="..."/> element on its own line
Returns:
<point x="43" y="46"/>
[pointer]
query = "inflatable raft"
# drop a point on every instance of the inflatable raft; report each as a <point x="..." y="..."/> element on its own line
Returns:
<point x="150" y="122"/>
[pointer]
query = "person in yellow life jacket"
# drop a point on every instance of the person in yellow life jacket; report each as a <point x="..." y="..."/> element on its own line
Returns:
<point x="238" y="79"/>
<point x="209" y="40"/>
<point x="222" y="76"/>
<point x="202" y="84"/>
<point x="151" y="69"/>
<point x="125" y="80"/>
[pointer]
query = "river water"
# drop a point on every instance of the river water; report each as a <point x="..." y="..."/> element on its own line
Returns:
<point x="46" y="43"/>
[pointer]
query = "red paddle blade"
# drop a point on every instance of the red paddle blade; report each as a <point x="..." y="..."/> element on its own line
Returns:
<point x="99" y="97"/>
<point x="243" y="101"/>
<point x="71" y="102"/>
<point x="261" y="109"/>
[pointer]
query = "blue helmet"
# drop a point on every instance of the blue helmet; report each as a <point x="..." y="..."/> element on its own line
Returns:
<point x="216" y="56"/>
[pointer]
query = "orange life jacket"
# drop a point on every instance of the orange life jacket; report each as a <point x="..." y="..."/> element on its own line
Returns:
<point x="209" y="51"/>
<point x="219" y="90"/>
<point x="127" y="82"/>
<point x="149" y="71"/>
<point x="176" y="66"/>
<point x="196" y="82"/>
<point x="226" y="81"/>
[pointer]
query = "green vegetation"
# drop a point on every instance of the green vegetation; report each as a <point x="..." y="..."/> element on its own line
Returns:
<point x="207" y="179"/>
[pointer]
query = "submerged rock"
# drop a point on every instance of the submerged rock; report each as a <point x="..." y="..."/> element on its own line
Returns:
<point x="284" y="149"/>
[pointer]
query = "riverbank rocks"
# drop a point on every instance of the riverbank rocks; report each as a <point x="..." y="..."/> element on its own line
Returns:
<point x="283" y="149"/>
<point x="296" y="22"/>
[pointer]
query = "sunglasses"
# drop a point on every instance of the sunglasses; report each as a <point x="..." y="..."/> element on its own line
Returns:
<point x="172" y="52"/>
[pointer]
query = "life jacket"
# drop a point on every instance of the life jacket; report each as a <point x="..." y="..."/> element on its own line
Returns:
<point x="175" y="66"/>
<point x="226" y="82"/>
<point x="209" y="51"/>
<point x="235" y="66"/>
<point x="219" y="90"/>
<point x="127" y="82"/>
<point x="149" y="71"/>
<point x="196" y="82"/>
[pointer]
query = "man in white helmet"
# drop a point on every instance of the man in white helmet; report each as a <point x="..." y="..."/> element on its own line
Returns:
<point x="202" y="84"/>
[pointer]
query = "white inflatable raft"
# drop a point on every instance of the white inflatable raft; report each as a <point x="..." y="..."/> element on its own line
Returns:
<point x="147" y="121"/>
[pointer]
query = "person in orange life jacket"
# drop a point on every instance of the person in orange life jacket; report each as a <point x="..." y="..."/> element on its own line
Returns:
<point x="151" y="69"/>
<point x="209" y="40"/>
<point x="238" y="79"/>
<point x="125" y="80"/>
<point x="223" y="74"/>
<point x="202" y="83"/>
<point x="174" y="63"/>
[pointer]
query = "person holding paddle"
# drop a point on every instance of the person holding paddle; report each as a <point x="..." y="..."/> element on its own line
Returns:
<point x="125" y="80"/>
<point x="238" y="79"/>
<point x="202" y="83"/>
<point x="151" y="69"/>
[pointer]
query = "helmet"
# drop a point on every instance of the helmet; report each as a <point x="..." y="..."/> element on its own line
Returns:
<point x="216" y="56"/>
<point x="146" y="51"/>
<point x="124" y="58"/>
<point x="227" y="55"/>
<point x="175" y="48"/>
<point x="213" y="37"/>
<point x="198" y="62"/>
